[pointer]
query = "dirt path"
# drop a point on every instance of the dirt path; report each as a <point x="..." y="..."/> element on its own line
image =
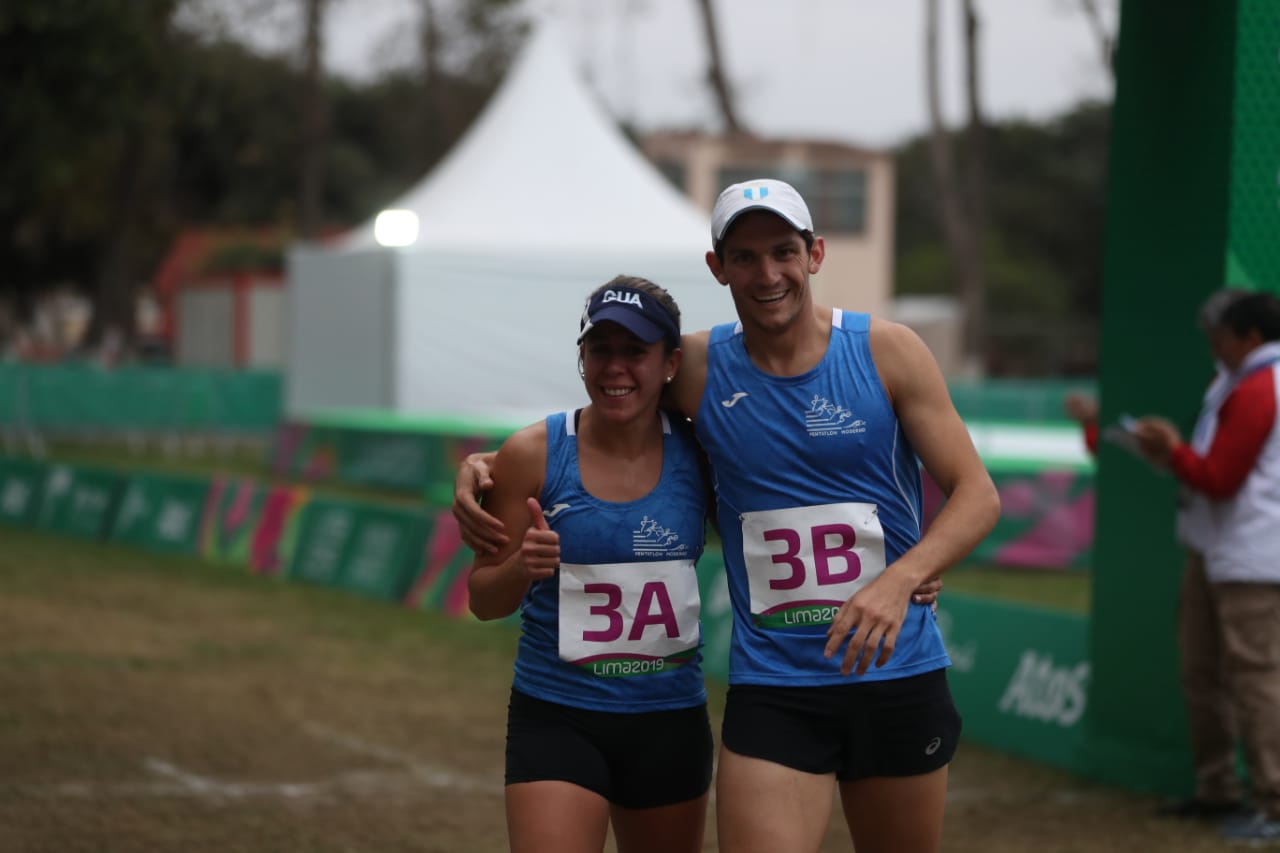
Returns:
<point x="165" y="705"/>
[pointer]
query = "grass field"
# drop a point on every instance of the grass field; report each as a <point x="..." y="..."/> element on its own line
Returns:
<point x="162" y="704"/>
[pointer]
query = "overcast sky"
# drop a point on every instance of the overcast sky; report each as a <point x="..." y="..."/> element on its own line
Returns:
<point x="845" y="70"/>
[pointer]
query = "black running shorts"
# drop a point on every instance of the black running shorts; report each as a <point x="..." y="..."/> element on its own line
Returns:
<point x="903" y="727"/>
<point x="636" y="761"/>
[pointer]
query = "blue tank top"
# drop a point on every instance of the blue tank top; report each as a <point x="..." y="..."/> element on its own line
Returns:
<point x="817" y="491"/>
<point x="616" y="628"/>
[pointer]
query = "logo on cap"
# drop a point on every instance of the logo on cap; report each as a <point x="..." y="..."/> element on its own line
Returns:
<point x="626" y="298"/>
<point x="750" y="192"/>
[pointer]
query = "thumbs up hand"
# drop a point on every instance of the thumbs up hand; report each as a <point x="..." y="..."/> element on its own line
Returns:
<point x="540" y="551"/>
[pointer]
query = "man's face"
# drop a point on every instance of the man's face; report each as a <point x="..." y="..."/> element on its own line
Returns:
<point x="767" y="267"/>
<point x="1230" y="348"/>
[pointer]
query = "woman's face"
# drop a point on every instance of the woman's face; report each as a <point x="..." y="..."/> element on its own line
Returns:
<point x="623" y="375"/>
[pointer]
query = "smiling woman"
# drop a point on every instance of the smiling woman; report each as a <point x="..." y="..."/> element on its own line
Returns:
<point x="609" y="659"/>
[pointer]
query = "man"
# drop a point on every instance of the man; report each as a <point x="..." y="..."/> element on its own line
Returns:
<point x="1229" y="635"/>
<point x="813" y="419"/>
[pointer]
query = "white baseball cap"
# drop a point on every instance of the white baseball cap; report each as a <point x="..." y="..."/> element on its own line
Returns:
<point x="759" y="194"/>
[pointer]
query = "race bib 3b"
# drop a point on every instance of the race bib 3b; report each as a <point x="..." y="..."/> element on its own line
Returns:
<point x="804" y="562"/>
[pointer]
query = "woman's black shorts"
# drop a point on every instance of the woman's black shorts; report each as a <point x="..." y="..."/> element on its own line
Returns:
<point x="636" y="761"/>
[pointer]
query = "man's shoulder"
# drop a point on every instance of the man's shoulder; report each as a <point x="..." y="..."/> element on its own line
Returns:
<point x="891" y="335"/>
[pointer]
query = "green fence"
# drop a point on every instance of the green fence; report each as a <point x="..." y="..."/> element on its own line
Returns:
<point x="1017" y="400"/>
<point x="80" y="398"/>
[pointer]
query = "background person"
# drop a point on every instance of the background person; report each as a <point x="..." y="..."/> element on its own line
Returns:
<point x="816" y="422"/>
<point x="607" y="719"/>
<point x="1083" y="409"/>
<point x="1231" y="644"/>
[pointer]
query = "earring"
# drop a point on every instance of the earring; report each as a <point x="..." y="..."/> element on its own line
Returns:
<point x="669" y="378"/>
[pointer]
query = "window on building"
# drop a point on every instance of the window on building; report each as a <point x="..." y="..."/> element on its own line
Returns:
<point x="838" y="201"/>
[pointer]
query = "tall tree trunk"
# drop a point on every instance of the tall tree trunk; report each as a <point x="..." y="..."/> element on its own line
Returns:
<point x="115" y="302"/>
<point x="434" y="116"/>
<point x="1106" y="42"/>
<point x="138" y="196"/>
<point x="958" y="188"/>
<point x="311" y="144"/>
<point x="974" y="279"/>
<point x="715" y="70"/>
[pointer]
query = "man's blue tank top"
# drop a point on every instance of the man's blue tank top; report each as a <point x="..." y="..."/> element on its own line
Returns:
<point x="664" y="529"/>
<point x="830" y="441"/>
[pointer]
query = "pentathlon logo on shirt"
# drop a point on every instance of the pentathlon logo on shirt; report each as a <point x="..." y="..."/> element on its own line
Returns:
<point x="826" y="418"/>
<point x="651" y="539"/>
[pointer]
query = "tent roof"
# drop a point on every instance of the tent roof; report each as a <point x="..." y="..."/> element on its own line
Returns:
<point x="544" y="168"/>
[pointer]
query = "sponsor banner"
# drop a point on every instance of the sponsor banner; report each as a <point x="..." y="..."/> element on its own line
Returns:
<point x="246" y="523"/>
<point x="78" y="398"/>
<point x="79" y="501"/>
<point x="440" y="582"/>
<point x="367" y="550"/>
<point x="1046" y="519"/>
<point x="1020" y="676"/>
<point x="21" y="481"/>
<point x="161" y="513"/>
<point x="420" y="462"/>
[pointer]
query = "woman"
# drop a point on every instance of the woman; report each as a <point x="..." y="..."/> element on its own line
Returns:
<point x="607" y="720"/>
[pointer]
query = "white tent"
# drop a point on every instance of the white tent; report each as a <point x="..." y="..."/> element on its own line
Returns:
<point x="540" y="202"/>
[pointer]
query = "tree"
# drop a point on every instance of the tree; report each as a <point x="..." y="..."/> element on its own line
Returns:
<point x="84" y="113"/>
<point x="311" y="143"/>
<point x="1044" y="245"/>
<point x="960" y="182"/>
<point x="716" y="76"/>
<point x="1105" y="38"/>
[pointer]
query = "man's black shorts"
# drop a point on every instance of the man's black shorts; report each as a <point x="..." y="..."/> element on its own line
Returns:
<point x="635" y="761"/>
<point x="904" y="727"/>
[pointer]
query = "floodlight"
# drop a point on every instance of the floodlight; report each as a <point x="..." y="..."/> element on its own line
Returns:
<point x="396" y="228"/>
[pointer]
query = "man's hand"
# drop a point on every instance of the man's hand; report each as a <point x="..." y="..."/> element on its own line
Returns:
<point x="480" y="531"/>
<point x="1157" y="437"/>
<point x="871" y="620"/>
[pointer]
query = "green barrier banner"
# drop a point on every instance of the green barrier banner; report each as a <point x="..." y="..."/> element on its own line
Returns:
<point x="161" y="513"/>
<point x="384" y="552"/>
<point x="246" y="523"/>
<point x="327" y="527"/>
<point x="440" y="582"/>
<point x="80" y="502"/>
<point x="20" y="484"/>
<point x="1020" y="677"/>
<point x="1046" y="520"/>
<point x="418" y="462"/>
<point x="368" y="550"/>
<point x="80" y="397"/>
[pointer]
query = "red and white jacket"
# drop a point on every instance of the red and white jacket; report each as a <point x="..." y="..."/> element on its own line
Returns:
<point x="1233" y="463"/>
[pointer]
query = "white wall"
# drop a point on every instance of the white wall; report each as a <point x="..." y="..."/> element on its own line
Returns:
<point x="206" y="327"/>
<point x="340" y="315"/>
